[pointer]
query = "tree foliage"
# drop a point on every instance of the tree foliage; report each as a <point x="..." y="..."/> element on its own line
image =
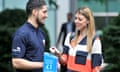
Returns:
<point x="111" y="45"/>
<point x="9" y="21"/>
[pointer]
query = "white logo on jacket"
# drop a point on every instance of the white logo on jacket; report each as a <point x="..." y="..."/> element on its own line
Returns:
<point x="18" y="49"/>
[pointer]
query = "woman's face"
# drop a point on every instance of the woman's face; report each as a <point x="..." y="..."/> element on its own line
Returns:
<point x="81" y="21"/>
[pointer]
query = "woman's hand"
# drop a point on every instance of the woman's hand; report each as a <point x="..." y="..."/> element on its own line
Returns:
<point x="96" y="69"/>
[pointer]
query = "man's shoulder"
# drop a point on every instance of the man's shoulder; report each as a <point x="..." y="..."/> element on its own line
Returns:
<point x="68" y="22"/>
<point x="21" y="31"/>
<point x="64" y="23"/>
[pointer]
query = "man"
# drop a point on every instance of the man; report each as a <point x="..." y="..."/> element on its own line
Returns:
<point x="28" y="41"/>
<point x="66" y="27"/>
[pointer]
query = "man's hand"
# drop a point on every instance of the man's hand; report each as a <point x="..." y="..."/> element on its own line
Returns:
<point x="55" y="51"/>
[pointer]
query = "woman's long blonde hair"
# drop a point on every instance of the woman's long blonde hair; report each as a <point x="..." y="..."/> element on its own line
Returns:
<point x="85" y="11"/>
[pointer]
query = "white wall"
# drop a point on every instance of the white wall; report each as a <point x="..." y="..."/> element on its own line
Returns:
<point x="11" y="4"/>
<point x="61" y="13"/>
<point x="50" y="24"/>
<point x="63" y="9"/>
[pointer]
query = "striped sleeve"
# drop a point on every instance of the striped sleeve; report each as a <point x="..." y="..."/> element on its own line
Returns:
<point x="65" y="50"/>
<point x="96" y="53"/>
<point x="66" y="44"/>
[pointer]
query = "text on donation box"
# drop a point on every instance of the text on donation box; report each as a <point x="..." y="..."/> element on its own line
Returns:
<point x="50" y="63"/>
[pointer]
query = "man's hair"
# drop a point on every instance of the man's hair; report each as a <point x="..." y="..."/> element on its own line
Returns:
<point x="33" y="4"/>
<point x="69" y="14"/>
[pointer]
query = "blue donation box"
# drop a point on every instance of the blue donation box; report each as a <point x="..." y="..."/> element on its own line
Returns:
<point x="50" y="63"/>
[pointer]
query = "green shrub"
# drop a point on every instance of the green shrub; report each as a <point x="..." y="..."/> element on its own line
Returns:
<point x="111" y="45"/>
<point x="9" y="21"/>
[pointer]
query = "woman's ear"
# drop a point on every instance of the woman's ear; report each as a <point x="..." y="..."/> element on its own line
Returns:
<point x="88" y="22"/>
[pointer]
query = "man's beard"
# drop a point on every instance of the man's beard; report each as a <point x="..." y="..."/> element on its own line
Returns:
<point x="40" y="24"/>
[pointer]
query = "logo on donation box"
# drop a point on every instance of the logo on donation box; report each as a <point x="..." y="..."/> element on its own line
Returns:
<point x="50" y="63"/>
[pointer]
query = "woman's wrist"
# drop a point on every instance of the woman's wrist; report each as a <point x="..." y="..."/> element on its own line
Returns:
<point x="58" y="54"/>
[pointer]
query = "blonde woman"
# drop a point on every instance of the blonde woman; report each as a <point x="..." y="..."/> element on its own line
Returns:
<point x="82" y="50"/>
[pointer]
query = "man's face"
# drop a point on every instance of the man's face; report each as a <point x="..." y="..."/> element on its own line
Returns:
<point x="41" y="15"/>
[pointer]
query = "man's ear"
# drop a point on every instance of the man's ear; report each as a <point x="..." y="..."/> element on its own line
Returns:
<point x="34" y="12"/>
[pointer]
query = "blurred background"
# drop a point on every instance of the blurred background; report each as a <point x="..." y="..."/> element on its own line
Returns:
<point x="107" y="20"/>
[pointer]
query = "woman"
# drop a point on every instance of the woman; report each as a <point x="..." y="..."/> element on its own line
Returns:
<point x="82" y="51"/>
